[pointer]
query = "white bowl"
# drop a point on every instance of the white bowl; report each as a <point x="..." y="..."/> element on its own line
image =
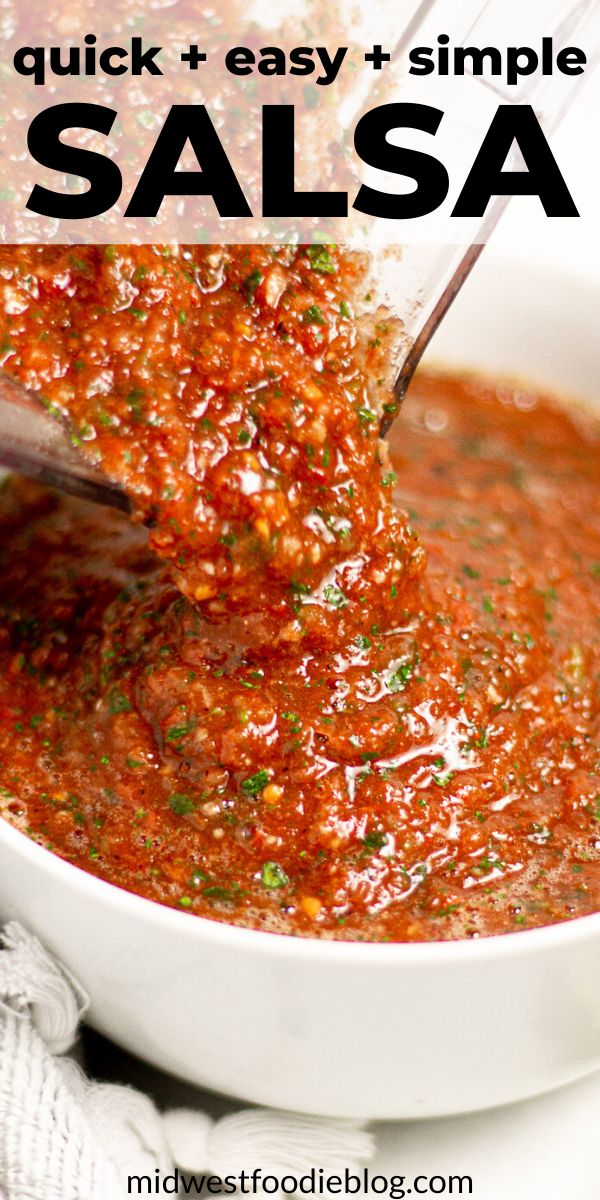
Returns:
<point x="380" y="1031"/>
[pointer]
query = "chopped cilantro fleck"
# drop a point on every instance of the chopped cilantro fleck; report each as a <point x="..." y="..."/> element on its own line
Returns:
<point x="175" y="733"/>
<point x="273" y="876"/>
<point x="321" y="260"/>
<point x="313" y="315"/>
<point x="227" y="894"/>
<point x="118" y="702"/>
<point x="251" y="284"/>
<point x="375" y="841"/>
<point x="334" y="596"/>
<point x="255" y="783"/>
<point x="366" y="415"/>
<point x="443" y="780"/>
<point x="397" y="681"/>
<point x="182" y="805"/>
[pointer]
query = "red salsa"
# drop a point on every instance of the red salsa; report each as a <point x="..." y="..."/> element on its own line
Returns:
<point x="283" y="707"/>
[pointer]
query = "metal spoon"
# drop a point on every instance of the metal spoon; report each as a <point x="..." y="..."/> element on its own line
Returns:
<point x="36" y="445"/>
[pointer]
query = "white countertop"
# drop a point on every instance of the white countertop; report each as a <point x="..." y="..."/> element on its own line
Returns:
<point x="545" y="1149"/>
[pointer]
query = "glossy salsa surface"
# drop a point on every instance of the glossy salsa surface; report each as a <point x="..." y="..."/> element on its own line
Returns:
<point x="234" y="395"/>
<point x="376" y="719"/>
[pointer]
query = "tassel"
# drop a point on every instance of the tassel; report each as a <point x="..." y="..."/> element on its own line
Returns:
<point x="278" y="1142"/>
<point x="63" y="1136"/>
<point x="31" y="981"/>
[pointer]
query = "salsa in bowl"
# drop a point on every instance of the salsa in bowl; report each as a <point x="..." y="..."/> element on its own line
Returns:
<point x="438" y="778"/>
<point x="461" y="812"/>
<point x="339" y="689"/>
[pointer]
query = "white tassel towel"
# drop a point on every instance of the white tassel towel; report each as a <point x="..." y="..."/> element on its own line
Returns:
<point x="64" y="1137"/>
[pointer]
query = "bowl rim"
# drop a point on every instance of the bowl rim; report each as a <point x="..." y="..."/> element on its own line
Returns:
<point x="546" y="938"/>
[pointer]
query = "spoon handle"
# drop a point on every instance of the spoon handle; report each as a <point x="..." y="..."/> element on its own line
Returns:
<point x="34" y="444"/>
<point x="428" y="277"/>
